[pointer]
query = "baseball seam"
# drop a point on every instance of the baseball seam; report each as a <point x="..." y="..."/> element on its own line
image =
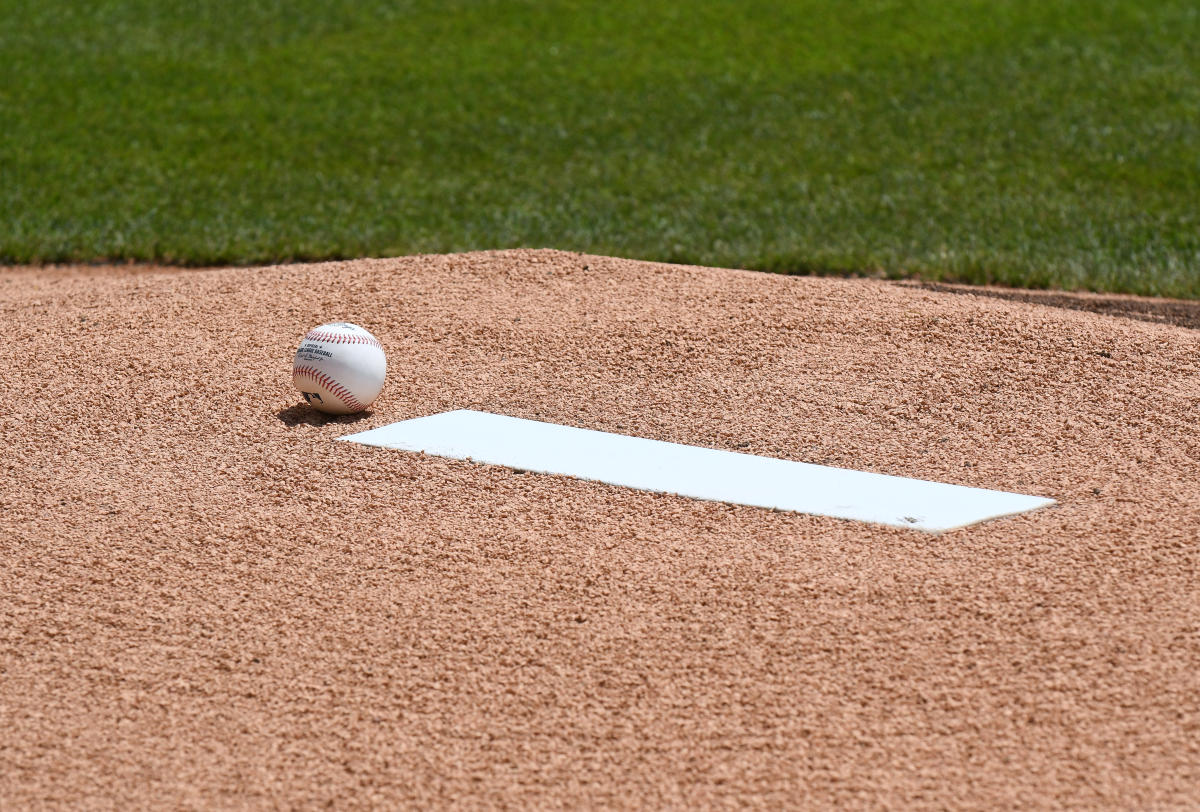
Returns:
<point x="337" y="338"/>
<point x="334" y="388"/>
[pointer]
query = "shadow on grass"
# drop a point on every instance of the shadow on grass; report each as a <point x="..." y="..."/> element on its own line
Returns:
<point x="304" y="415"/>
<point x="1178" y="312"/>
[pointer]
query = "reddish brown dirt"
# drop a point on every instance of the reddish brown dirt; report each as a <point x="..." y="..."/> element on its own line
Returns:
<point x="206" y="602"/>
<point x="1180" y="312"/>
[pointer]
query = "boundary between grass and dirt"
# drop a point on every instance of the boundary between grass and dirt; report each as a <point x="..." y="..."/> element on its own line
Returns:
<point x="1177" y="312"/>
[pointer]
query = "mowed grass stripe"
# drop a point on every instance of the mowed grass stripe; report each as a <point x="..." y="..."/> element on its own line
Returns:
<point x="1023" y="143"/>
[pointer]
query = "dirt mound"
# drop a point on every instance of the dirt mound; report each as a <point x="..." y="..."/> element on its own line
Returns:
<point x="205" y="601"/>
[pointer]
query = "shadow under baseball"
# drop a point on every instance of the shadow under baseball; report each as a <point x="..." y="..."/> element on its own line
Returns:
<point x="304" y="415"/>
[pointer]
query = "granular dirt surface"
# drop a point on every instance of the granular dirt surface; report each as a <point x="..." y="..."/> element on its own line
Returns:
<point x="206" y="602"/>
<point x="1180" y="312"/>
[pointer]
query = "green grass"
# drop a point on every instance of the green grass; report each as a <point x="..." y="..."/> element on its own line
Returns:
<point x="1048" y="143"/>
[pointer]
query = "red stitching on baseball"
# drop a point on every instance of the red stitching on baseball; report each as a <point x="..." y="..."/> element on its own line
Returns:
<point x="339" y="338"/>
<point x="335" y="388"/>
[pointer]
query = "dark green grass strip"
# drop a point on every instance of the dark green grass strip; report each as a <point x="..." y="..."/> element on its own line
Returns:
<point x="1025" y="143"/>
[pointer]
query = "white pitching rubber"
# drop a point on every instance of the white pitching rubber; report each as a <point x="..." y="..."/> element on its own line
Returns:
<point x="700" y="473"/>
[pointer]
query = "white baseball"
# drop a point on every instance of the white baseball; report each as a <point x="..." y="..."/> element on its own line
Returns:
<point x="339" y="368"/>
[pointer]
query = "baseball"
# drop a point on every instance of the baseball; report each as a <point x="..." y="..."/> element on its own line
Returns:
<point x="339" y="368"/>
